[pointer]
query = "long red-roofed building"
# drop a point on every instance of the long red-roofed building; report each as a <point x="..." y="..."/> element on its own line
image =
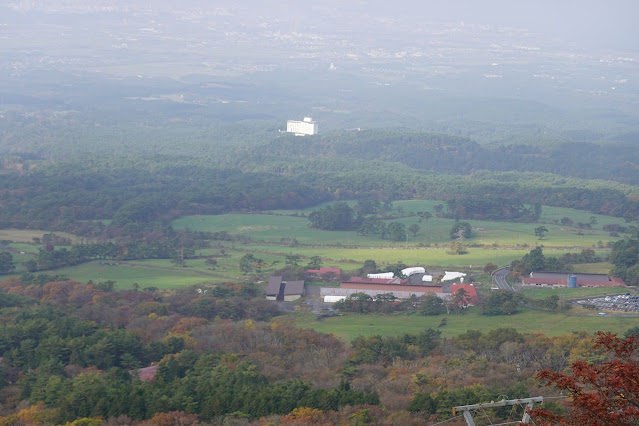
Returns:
<point x="553" y="279"/>
<point x="401" y="289"/>
<point x="388" y="285"/>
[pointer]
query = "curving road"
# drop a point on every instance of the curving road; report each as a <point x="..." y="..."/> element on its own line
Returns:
<point x="499" y="278"/>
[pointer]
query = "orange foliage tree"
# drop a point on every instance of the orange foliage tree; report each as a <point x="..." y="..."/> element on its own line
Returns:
<point x="303" y="415"/>
<point x="604" y="393"/>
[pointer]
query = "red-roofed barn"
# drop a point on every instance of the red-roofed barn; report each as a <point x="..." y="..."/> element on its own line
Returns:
<point x="470" y="293"/>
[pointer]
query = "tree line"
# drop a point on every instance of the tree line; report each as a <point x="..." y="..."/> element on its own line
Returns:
<point x="341" y="217"/>
<point x="137" y="190"/>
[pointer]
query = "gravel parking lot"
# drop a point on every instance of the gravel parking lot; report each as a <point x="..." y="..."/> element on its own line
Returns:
<point x="622" y="303"/>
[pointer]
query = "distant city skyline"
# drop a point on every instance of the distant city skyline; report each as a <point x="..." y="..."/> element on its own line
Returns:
<point x="584" y="24"/>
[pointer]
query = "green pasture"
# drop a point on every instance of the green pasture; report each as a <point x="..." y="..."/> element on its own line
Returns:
<point x="275" y="235"/>
<point x="552" y="214"/>
<point x="272" y="228"/>
<point x="21" y="253"/>
<point x="27" y="235"/>
<point x="572" y="293"/>
<point x="24" y="247"/>
<point x="228" y="266"/>
<point x="279" y="226"/>
<point x="437" y="231"/>
<point x="145" y="273"/>
<point x="593" y="268"/>
<point x="353" y="325"/>
<point x="274" y="256"/>
<point x="549" y="215"/>
<point x="477" y="257"/>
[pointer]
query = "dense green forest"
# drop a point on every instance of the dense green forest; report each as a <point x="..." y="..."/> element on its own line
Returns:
<point x="455" y="155"/>
<point x="142" y="190"/>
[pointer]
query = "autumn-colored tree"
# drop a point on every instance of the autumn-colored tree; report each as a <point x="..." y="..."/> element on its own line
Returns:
<point x="174" y="418"/>
<point x="490" y="268"/>
<point x="86" y="421"/>
<point x="34" y="414"/>
<point x="302" y="415"/>
<point x="605" y="393"/>
<point x="187" y="324"/>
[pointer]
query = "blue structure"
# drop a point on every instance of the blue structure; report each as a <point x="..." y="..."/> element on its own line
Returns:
<point x="572" y="281"/>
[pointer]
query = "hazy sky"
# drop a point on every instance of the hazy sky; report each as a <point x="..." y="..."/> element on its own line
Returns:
<point x="588" y="23"/>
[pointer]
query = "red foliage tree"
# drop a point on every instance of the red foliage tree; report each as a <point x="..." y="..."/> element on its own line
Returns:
<point x="605" y="393"/>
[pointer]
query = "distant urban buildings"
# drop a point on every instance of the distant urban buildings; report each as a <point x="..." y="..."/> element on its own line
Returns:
<point x="302" y="128"/>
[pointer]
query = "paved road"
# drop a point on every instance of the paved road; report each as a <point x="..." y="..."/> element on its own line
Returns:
<point x="499" y="278"/>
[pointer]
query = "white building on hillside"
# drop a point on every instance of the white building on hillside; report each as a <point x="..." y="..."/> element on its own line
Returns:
<point x="301" y="128"/>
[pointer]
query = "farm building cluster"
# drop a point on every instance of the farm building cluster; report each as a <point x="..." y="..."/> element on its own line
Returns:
<point x="418" y="282"/>
<point x="412" y="281"/>
<point x="415" y="281"/>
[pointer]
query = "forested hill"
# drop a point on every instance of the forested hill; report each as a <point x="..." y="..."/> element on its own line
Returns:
<point x="298" y="172"/>
<point x="457" y="155"/>
<point x="62" y="194"/>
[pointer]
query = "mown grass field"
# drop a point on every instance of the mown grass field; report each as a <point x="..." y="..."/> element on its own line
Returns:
<point x="477" y="257"/>
<point x="593" y="268"/>
<point x="160" y="274"/>
<point x="27" y="235"/>
<point x="572" y="293"/>
<point x="282" y="225"/>
<point x="352" y="325"/>
<point x="27" y="248"/>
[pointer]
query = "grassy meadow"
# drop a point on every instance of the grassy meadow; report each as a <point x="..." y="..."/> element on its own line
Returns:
<point x="161" y="274"/>
<point x="355" y="257"/>
<point x="285" y="232"/>
<point x="27" y="235"/>
<point x="352" y="325"/>
<point x="271" y="236"/>
<point x="285" y="225"/>
<point x="572" y="293"/>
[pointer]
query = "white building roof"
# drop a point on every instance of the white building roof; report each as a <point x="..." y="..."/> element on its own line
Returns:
<point x="383" y="275"/>
<point x="448" y="276"/>
<point x="414" y="270"/>
<point x="333" y="299"/>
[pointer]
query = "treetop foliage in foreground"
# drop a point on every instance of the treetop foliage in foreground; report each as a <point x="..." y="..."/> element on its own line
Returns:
<point x="605" y="393"/>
